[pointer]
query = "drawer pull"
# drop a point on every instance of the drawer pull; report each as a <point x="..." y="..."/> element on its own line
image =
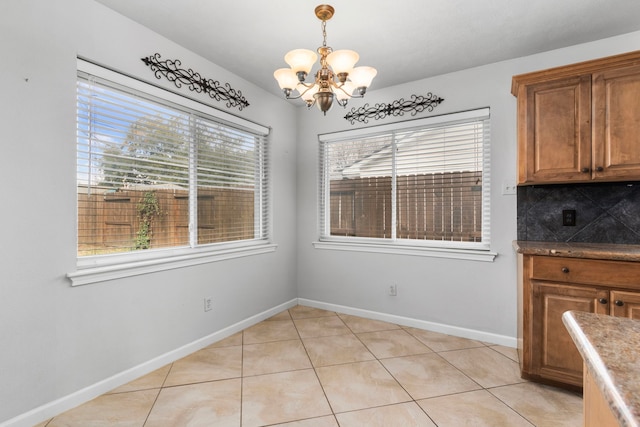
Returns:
<point x="619" y="303"/>
<point x="585" y="170"/>
<point x="599" y="169"/>
<point x="565" y="269"/>
<point x="603" y="301"/>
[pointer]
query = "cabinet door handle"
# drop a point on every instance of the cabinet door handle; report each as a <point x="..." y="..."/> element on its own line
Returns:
<point x="603" y="301"/>
<point x="619" y="303"/>
<point x="599" y="169"/>
<point x="585" y="170"/>
<point x="565" y="269"/>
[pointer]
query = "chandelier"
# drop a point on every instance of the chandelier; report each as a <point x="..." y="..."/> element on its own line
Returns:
<point x="337" y="78"/>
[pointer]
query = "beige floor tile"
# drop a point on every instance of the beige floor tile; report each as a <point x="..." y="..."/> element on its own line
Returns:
<point x="208" y="364"/>
<point x="235" y="339"/>
<point x="485" y="366"/>
<point x="428" y="375"/>
<point x="281" y="398"/>
<point x="153" y="379"/>
<point x="304" y="312"/>
<point x="400" y="415"/>
<point x="328" y="421"/>
<point x="270" y="330"/>
<point x="511" y="353"/>
<point x="544" y="406"/>
<point x="360" y="324"/>
<point x="119" y="410"/>
<point x="360" y="385"/>
<point x="338" y="349"/>
<point x="272" y="357"/>
<point x="284" y="315"/>
<point x="442" y="342"/>
<point x="475" y="408"/>
<point x="321" y="327"/>
<point x="44" y="424"/>
<point x="392" y="343"/>
<point x="210" y="404"/>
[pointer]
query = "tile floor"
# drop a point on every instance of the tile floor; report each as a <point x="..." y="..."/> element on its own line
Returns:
<point x="307" y="367"/>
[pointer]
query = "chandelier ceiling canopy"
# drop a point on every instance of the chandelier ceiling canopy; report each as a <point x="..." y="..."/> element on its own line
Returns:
<point x="337" y="78"/>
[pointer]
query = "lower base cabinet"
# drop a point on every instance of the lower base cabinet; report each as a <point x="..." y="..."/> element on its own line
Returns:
<point x="552" y="285"/>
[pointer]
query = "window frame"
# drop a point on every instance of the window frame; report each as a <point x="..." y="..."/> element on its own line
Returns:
<point x="478" y="251"/>
<point x="99" y="268"/>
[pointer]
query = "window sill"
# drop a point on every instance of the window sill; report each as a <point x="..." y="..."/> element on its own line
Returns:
<point x="464" y="254"/>
<point x="103" y="268"/>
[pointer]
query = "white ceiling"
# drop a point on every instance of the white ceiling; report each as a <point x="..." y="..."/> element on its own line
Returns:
<point x="405" y="40"/>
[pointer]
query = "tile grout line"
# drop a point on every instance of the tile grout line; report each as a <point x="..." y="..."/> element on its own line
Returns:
<point x="315" y="372"/>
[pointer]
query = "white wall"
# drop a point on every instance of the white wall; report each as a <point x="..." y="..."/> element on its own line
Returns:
<point x="468" y="298"/>
<point x="56" y="339"/>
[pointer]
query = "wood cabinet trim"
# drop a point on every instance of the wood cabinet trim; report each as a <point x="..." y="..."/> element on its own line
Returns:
<point x="586" y="67"/>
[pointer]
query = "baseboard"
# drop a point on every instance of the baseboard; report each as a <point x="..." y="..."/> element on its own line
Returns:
<point x="473" y="334"/>
<point x="79" y="397"/>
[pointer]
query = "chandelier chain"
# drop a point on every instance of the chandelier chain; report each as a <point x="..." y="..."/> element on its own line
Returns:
<point x="324" y="33"/>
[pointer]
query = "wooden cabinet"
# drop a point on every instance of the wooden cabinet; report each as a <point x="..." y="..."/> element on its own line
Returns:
<point x="552" y="285"/>
<point x="580" y="123"/>
<point x="616" y="123"/>
<point x="554" y="355"/>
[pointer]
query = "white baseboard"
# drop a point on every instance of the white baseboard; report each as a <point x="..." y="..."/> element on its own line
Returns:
<point x="415" y="323"/>
<point x="51" y="409"/>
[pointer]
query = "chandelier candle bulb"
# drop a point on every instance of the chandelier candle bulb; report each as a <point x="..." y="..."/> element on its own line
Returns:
<point x="336" y="79"/>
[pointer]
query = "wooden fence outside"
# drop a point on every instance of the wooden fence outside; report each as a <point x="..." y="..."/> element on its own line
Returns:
<point x="446" y="206"/>
<point x="109" y="221"/>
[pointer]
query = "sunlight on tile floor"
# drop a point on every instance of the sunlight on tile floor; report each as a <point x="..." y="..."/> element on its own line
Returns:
<point x="307" y="367"/>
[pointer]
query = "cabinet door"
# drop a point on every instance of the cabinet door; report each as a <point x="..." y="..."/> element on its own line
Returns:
<point x="554" y="131"/>
<point x="625" y="304"/>
<point x="555" y="356"/>
<point x="616" y="124"/>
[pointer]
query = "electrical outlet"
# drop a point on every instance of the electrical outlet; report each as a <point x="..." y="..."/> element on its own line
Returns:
<point x="393" y="290"/>
<point x="208" y="304"/>
<point x="509" y="188"/>
<point x="569" y="217"/>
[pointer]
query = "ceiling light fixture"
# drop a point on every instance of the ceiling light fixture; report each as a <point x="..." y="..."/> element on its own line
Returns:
<point x="337" y="78"/>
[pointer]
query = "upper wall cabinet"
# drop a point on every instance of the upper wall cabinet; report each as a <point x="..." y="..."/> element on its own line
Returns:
<point x="580" y="123"/>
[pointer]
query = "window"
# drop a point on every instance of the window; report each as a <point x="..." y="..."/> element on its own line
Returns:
<point x="419" y="184"/>
<point x="157" y="172"/>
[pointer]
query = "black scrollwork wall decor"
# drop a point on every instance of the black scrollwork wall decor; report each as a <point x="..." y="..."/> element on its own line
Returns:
<point x="194" y="81"/>
<point x="417" y="104"/>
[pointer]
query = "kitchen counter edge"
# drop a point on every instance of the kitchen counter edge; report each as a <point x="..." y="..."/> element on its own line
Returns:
<point x="606" y="251"/>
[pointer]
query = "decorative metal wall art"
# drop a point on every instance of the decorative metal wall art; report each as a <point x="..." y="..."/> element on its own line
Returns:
<point x="194" y="81"/>
<point x="417" y="104"/>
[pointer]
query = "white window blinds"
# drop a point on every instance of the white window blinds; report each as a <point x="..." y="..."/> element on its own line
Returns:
<point x="155" y="174"/>
<point x="418" y="182"/>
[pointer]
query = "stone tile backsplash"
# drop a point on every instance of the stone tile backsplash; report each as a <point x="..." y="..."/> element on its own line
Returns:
<point x="605" y="213"/>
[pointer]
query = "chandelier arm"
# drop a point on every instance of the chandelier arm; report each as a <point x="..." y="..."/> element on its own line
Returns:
<point x="308" y="85"/>
<point x="309" y="104"/>
<point x="294" y="97"/>
<point x="340" y="86"/>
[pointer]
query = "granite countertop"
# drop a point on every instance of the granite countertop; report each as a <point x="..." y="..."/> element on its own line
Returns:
<point x="605" y="251"/>
<point x="609" y="346"/>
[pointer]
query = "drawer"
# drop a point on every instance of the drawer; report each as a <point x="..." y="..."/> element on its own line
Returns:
<point x="588" y="271"/>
